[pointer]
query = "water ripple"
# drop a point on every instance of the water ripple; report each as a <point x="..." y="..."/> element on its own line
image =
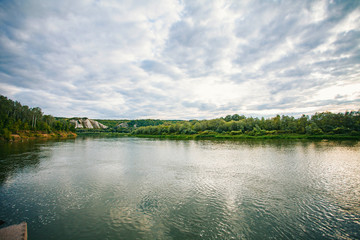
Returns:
<point x="159" y="189"/>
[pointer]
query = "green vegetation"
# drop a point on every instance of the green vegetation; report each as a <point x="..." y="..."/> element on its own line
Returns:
<point x="325" y="125"/>
<point x="127" y="126"/>
<point x="24" y="121"/>
<point x="15" y="118"/>
<point x="111" y="123"/>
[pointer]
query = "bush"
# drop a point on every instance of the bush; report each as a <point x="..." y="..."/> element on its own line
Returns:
<point x="341" y="130"/>
<point x="313" y="129"/>
<point x="7" y="134"/>
<point x="355" y="133"/>
<point x="236" y="132"/>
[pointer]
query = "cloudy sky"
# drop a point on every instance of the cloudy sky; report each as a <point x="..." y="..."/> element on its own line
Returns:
<point x="180" y="59"/>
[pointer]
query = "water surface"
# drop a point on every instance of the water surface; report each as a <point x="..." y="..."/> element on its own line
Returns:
<point x="131" y="188"/>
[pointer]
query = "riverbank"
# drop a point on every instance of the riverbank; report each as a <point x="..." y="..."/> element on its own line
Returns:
<point x="29" y="135"/>
<point x="225" y="136"/>
<point x="245" y="136"/>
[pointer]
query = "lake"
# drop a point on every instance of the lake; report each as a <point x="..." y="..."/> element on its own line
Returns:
<point x="135" y="188"/>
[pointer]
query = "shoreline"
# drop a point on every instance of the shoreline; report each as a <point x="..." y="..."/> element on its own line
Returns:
<point x="244" y="136"/>
<point x="39" y="135"/>
<point x="224" y="136"/>
<point x="34" y="135"/>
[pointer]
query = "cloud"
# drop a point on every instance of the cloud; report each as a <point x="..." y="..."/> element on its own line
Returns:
<point x="156" y="67"/>
<point x="180" y="59"/>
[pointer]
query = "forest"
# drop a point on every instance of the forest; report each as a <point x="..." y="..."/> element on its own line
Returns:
<point x="15" y="117"/>
<point x="327" y="123"/>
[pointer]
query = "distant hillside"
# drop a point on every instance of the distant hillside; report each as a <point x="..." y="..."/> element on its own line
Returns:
<point x="126" y="123"/>
<point x="87" y="123"/>
<point x="111" y="123"/>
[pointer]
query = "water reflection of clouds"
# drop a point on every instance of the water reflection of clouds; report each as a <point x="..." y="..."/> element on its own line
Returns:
<point x="142" y="188"/>
<point x="17" y="156"/>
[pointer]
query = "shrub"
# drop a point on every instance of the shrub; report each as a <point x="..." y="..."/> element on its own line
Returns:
<point x="6" y="134"/>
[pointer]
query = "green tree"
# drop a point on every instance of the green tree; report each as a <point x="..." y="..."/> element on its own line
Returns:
<point x="313" y="129"/>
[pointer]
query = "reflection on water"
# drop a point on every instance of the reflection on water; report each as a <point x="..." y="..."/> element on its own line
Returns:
<point x="108" y="188"/>
<point x="17" y="156"/>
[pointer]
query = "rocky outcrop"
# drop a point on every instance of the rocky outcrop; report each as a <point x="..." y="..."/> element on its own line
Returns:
<point x="77" y="123"/>
<point x="123" y="125"/>
<point x="87" y="123"/>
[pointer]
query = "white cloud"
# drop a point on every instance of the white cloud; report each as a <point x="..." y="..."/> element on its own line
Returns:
<point x="180" y="59"/>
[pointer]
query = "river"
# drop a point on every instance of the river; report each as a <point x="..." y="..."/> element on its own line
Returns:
<point x="135" y="188"/>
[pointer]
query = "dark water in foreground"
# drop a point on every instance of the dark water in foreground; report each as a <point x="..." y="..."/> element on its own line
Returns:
<point x="129" y="188"/>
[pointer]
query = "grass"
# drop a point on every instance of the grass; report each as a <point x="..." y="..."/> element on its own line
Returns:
<point x="27" y="134"/>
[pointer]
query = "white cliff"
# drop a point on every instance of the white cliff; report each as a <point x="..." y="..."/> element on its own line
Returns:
<point x="77" y="123"/>
<point x="87" y="123"/>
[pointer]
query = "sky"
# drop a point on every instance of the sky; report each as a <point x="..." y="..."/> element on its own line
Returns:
<point x="168" y="59"/>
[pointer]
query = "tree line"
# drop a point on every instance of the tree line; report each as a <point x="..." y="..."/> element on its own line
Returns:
<point x="15" y="117"/>
<point x="128" y="126"/>
<point x="320" y="123"/>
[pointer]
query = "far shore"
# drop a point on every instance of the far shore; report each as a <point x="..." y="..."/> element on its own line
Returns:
<point x="35" y="135"/>
<point x="225" y="136"/>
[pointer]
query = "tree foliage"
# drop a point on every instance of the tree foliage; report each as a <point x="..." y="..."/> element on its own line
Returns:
<point x="320" y="123"/>
<point x="15" y="117"/>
